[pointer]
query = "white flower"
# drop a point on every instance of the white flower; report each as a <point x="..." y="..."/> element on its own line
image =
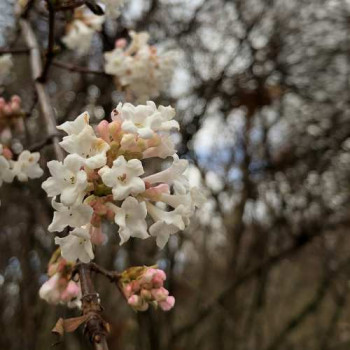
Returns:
<point x="162" y="232"/>
<point x="123" y="177"/>
<point x="167" y="222"/>
<point x="79" y="37"/>
<point x="191" y="200"/>
<point x="27" y="167"/>
<point x="139" y="67"/>
<point x="176" y="217"/>
<point x="67" y="179"/>
<point x="6" y="64"/>
<point x="131" y="219"/>
<point x="173" y="175"/>
<point x="89" y="147"/>
<point x="77" y="245"/>
<point x="76" y="126"/>
<point x="73" y="216"/>
<point x="144" y="120"/>
<point x="112" y="7"/>
<point x="164" y="149"/>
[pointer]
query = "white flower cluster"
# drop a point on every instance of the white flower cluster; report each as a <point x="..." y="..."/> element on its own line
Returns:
<point x="24" y="168"/>
<point x="102" y="178"/>
<point x="81" y="31"/>
<point x="85" y="24"/>
<point x="138" y="67"/>
<point x="6" y="64"/>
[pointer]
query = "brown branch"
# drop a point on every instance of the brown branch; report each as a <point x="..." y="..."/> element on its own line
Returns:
<point x="47" y="111"/>
<point x="4" y="51"/>
<point x="40" y="144"/>
<point x="113" y="276"/>
<point x="51" y="42"/>
<point x="96" y="328"/>
<point x="78" y="69"/>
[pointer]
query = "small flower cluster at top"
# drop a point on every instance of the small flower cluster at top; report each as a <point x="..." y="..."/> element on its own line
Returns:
<point x="6" y="65"/>
<point x="85" y="24"/>
<point x="143" y="286"/>
<point x="60" y="288"/>
<point x="101" y="179"/>
<point x="138" y="67"/>
<point x="24" y="168"/>
<point x="81" y="30"/>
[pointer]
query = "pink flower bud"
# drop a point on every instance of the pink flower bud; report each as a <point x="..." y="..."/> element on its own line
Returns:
<point x="16" y="98"/>
<point x="103" y="130"/>
<point x="6" y="152"/>
<point x="72" y="291"/>
<point x="158" y="279"/>
<point x="121" y="43"/>
<point x="148" y="275"/>
<point x="127" y="289"/>
<point x="146" y="294"/>
<point x="160" y="294"/>
<point x="135" y="285"/>
<point x="156" y="191"/>
<point x="168" y="304"/>
<point x="7" y="109"/>
<point x="96" y="235"/>
<point x="115" y="129"/>
<point x="134" y="301"/>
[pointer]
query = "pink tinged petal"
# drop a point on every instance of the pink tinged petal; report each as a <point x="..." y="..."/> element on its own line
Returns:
<point x="72" y="291"/>
<point x="103" y="130"/>
<point x="155" y="192"/>
<point x="168" y="304"/>
<point x="97" y="236"/>
<point x="49" y="291"/>
<point x="160" y="294"/>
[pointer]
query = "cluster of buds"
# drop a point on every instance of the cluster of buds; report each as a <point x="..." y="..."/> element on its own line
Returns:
<point x="101" y="179"/>
<point x="138" y="67"/>
<point x="25" y="165"/>
<point x="144" y="286"/>
<point x="60" y="288"/>
<point x="10" y="111"/>
<point x="24" y="168"/>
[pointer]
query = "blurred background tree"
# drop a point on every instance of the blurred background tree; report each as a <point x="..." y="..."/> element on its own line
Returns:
<point x="262" y="95"/>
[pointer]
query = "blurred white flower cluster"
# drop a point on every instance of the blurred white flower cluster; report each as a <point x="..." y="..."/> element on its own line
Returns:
<point x="60" y="288"/>
<point x="102" y="179"/>
<point x="81" y="30"/>
<point x="139" y="68"/>
<point x="24" y="168"/>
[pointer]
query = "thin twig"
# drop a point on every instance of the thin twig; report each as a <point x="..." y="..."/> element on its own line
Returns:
<point x="4" y="51"/>
<point x="39" y="145"/>
<point x="113" y="276"/>
<point x="77" y="69"/>
<point x="51" y="42"/>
